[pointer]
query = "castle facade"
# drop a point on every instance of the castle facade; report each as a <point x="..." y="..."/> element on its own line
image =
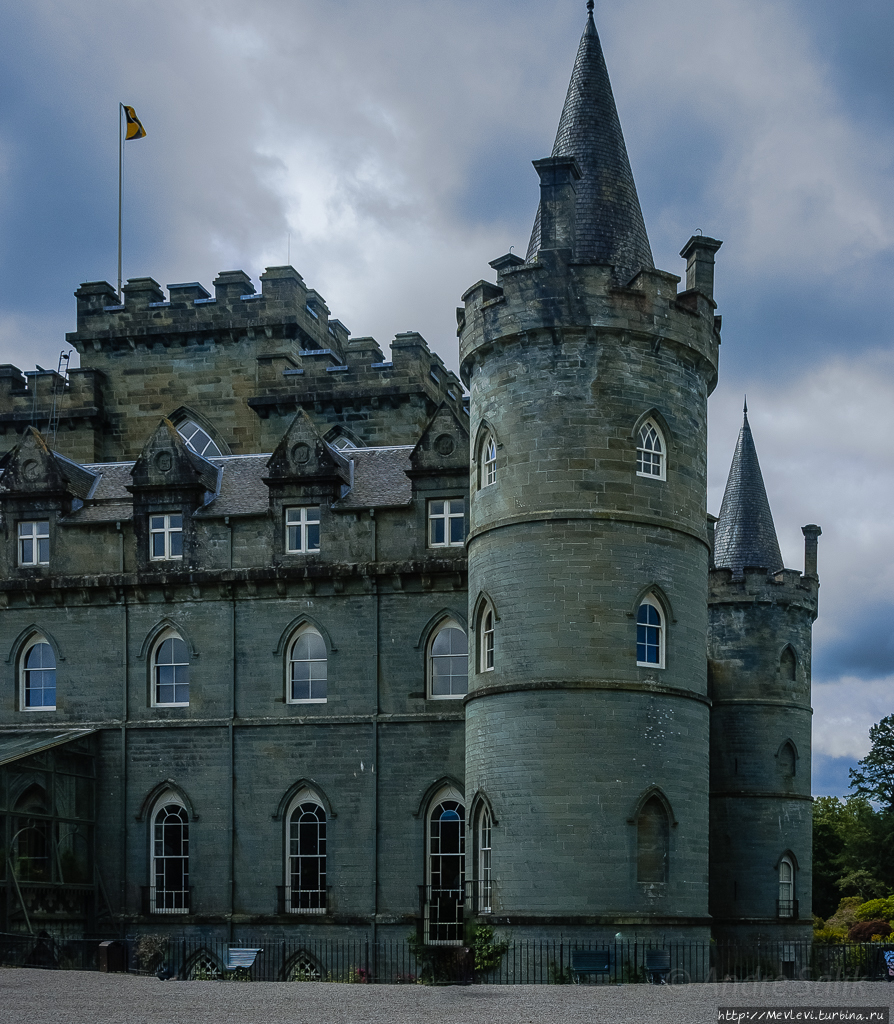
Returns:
<point x="298" y="636"/>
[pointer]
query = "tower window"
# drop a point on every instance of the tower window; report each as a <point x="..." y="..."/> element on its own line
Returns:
<point x="650" y="452"/>
<point x="787" y="760"/>
<point x="488" y="461"/>
<point x="650" y="634"/>
<point x="446" y="870"/>
<point x="786" y="904"/>
<point x="303" y="529"/>
<point x="486" y="644"/>
<point x="446" y="523"/>
<point x="484" y="894"/>
<point x="652" y="842"/>
<point x="34" y="542"/>
<point x="166" y="536"/>
<point x="788" y="665"/>
<point x="39" y="677"/>
<point x="448" y="662"/>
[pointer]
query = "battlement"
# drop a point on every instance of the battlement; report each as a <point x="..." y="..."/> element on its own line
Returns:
<point x="284" y="307"/>
<point x="559" y="293"/>
<point x="757" y="586"/>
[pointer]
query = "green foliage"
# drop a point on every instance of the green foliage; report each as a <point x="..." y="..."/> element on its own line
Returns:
<point x="874" y="775"/>
<point x="829" y="936"/>
<point x="876" y="910"/>
<point x="486" y="950"/>
<point x="151" y="951"/>
<point x="853" y="852"/>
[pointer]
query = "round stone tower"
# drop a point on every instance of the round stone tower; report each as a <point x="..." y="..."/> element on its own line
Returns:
<point x="587" y="720"/>
<point x="759" y="647"/>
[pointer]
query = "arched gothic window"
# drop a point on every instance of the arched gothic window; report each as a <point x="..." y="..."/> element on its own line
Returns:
<point x="650" y="633"/>
<point x="788" y="665"/>
<point x="486" y="639"/>
<point x="488" y="461"/>
<point x="650" y="452"/>
<point x="169" y="886"/>
<point x="448" y="662"/>
<point x="445" y="842"/>
<point x="170" y="672"/>
<point x="38" y="676"/>
<point x="198" y="439"/>
<point x="786" y="904"/>
<point x="652" y="842"/>
<point x="306" y="856"/>
<point x="484" y="888"/>
<point x="788" y="760"/>
<point x="307" y="681"/>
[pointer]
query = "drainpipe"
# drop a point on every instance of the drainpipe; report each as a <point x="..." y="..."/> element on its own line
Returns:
<point x="375" y="742"/>
<point x="232" y="759"/>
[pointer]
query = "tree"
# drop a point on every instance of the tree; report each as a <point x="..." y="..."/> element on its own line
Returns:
<point x="874" y="775"/>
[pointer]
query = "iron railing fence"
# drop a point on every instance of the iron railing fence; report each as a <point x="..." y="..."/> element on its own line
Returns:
<point x="310" y="959"/>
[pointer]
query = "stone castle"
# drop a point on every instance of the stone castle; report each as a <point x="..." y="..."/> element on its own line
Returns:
<point x="299" y="637"/>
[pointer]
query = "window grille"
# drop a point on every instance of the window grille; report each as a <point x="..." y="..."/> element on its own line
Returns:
<point x="650" y="452"/>
<point x="39" y="677"/>
<point x="169" y="893"/>
<point x="446" y="873"/>
<point x="306" y="881"/>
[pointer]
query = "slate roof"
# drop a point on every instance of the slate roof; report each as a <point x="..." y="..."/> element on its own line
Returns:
<point x="380" y="478"/>
<point x="380" y="481"/>
<point x="610" y="226"/>
<point x="22" y="744"/>
<point x="745" y="535"/>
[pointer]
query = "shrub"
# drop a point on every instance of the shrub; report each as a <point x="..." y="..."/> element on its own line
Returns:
<point x="876" y="910"/>
<point x="863" y="931"/>
<point x="151" y="951"/>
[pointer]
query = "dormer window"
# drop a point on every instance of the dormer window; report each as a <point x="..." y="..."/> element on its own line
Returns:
<point x="34" y="542"/>
<point x="302" y="530"/>
<point x="166" y="536"/>
<point x="197" y="439"/>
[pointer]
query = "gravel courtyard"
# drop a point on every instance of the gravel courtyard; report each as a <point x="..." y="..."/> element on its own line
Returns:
<point x="74" y="997"/>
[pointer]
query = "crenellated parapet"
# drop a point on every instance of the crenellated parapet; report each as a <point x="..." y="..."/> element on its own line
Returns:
<point x="787" y="587"/>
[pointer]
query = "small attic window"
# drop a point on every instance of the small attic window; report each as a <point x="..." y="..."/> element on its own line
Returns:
<point x="312" y="312"/>
<point x="343" y="444"/>
<point x="197" y="439"/>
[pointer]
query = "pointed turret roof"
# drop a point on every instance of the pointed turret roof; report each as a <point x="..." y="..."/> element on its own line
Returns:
<point x="744" y="534"/>
<point x="610" y="226"/>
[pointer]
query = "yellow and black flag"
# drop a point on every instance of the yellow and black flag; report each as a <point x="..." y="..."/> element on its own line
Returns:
<point x="135" y="129"/>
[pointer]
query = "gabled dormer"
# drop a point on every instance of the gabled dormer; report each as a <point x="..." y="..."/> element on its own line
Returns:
<point x="443" y="448"/>
<point x="170" y="482"/>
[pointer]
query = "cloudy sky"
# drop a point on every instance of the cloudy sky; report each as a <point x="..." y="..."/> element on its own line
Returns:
<point x="385" y="146"/>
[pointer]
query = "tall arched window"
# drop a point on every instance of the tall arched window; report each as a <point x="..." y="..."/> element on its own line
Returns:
<point x="786" y="904"/>
<point x="306" y="859"/>
<point x="488" y="461"/>
<point x="788" y="665"/>
<point x="446" y="859"/>
<point x="170" y="672"/>
<point x="448" y="662"/>
<point x="198" y="439"/>
<point x="650" y="637"/>
<point x="652" y="842"/>
<point x="788" y="760"/>
<point x="169" y="886"/>
<point x="307" y="682"/>
<point x="38" y="676"/>
<point x="650" y="452"/>
<point x="484" y="894"/>
<point x="486" y="639"/>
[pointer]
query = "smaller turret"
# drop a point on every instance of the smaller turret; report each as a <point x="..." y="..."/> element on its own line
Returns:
<point x="759" y="650"/>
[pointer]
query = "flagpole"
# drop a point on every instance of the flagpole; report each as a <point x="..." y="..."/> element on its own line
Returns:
<point x="120" y="182"/>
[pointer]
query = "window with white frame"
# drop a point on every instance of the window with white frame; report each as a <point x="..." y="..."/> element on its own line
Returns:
<point x="486" y="640"/>
<point x="488" y="457"/>
<point x="166" y="536"/>
<point x="34" y="542"/>
<point x="484" y="895"/>
<point x="786" y="904"/>
<point x="446" y="523"/>
<point x="650" y="638"/>
<point x="448" y="662"/>
<point x="307" y="680"/>
<point x="198" y="439"/>
<point x="303" y="529"/>
<point x="169" y="879"/>
<point x="445" y="842"/>
<point x="306" y="858"/>
<point x="650" y="452"/>
<point x="170" y="673"/>
<point x="38" y="676"/>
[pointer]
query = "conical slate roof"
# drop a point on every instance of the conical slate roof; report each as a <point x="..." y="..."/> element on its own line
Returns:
<point x="744" y="534"/>
<point x="610" y="226"/>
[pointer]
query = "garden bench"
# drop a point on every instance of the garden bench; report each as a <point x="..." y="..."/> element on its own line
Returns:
<point x="588" y="961"/>
<point x="658" y="965"/>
